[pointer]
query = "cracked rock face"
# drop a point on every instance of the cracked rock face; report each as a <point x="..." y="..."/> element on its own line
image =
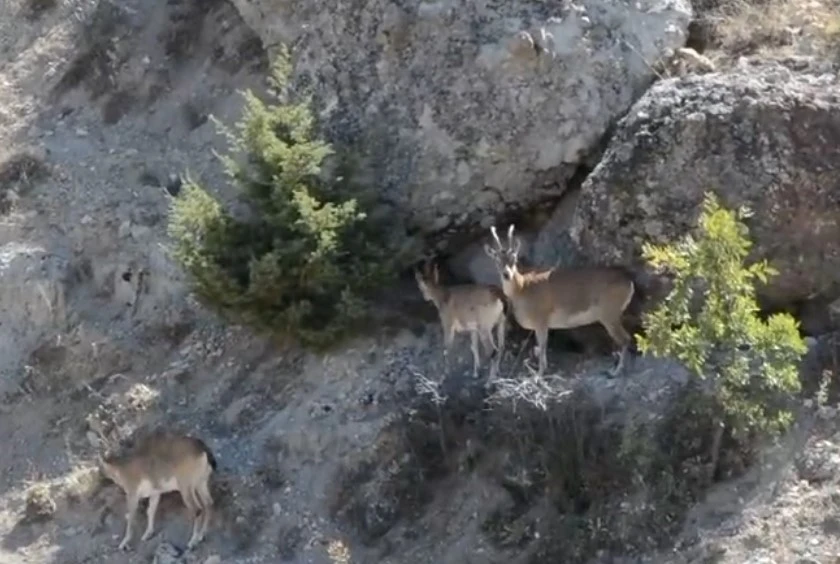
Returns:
<point x="767" y="137"/>
<point x="459" y="110"/>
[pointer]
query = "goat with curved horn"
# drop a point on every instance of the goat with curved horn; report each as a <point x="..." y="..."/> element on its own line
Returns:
<point x="563" y="298"/>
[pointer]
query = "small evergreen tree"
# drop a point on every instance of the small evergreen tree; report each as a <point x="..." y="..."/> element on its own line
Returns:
<point x="307" y="260"/>
<point x="710" y="322"/>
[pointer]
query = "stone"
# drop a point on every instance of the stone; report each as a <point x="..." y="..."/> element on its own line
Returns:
<point x="820" y="462"/>
<point x="553" y="246"/>
<point x="167" y="554"/>
<point x="755" y="139"/>
<point x="459" y="110"/>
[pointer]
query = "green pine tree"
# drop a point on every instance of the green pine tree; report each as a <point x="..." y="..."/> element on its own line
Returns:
<point x="307" y="261"/>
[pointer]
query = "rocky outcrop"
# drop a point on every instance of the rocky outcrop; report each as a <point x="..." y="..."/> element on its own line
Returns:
<point x="768" y="137"/>
<point x="462" y="110"/>
<point x="32" y="304"/>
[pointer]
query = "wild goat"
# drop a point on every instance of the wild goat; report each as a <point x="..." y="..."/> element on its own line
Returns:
<point x="164" y="462"/>
<point x="473" y="308"/>
<point x="562" y="298"/>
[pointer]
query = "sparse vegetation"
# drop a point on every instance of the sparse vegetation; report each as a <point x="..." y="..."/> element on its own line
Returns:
<point x="623" y="485"/>
<point x="581" y="481"/>
<point x="710" y="322"/>
<point x="307" y="260"/>
<point x="100" y="54"/>
<point x="771" y="27"/>
<point x="18" y="174"/>
<point x="571" y="468"/>
<point x="745" y="27"/>
<point x="831" y="29"/>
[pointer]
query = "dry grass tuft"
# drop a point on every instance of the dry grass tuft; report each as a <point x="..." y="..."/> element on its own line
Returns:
<point x="141" y="397"/>
<point x="831" y="31"/>
<point x="775" y="27"/>
<point x="338" y="552"/>
<point x="43" y="498"/>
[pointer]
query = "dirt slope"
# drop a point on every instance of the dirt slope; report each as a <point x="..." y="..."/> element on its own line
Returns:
<point x="102" y="104"/>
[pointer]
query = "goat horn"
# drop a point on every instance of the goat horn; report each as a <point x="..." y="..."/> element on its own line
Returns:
<point x="510" y="235"/>
<point x="496" y="237"/>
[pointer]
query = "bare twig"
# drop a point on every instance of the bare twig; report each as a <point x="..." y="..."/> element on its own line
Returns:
<point x="539" y="391"/>
<point x="427" y="387"/>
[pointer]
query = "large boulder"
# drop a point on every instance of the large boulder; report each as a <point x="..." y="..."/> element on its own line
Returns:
<point x="459" y="110"/>
<point x="767" y="136"/>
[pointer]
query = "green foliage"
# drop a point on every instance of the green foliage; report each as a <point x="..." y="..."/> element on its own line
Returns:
<point x="307" y="259"/>
<point x="710" y="322"/>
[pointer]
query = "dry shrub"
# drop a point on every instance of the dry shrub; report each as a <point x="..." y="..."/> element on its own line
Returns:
<point x="40" y="505"/>
<point x="44" y="498"/>
<point x="338" y="552"/>
<point x="81" y="484"/>
<point x="186" y="18"/>
<point x="585" y="484"/>
<point x="270" y="470"/>
<point x="375" y="491"/>
<point x="392" y="481"/>
<point x="24" y="167"/>
<point x="289" y="539"/>
<point x="745" y="27"/>
<point x="34" y="9"/>
<point x="102" y="50"/>
<point x="18" y="174"/>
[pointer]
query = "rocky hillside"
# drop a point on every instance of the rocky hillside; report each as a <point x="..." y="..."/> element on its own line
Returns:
<point x="578" y="120"/>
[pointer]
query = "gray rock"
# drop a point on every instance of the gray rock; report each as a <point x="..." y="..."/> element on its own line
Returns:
<point x="459" y="110"/>
<point x="820" y="462"/>
<point x="553" y="245"/>
<point x="471" y="264"/>
<point x="167" y="554"/>
<point x="766" y="137"/>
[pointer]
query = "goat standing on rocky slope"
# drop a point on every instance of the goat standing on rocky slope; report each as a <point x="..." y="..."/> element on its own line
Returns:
<point x="473" y="308"/>
<point x="562" y="298"/>
<point x="164" y="462"/>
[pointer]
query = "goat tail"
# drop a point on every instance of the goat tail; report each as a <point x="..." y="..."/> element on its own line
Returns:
<point x="211" y="460"/>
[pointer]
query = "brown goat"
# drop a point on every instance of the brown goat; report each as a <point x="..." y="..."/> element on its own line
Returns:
<point x="562" y="298"/>
<point x="473" y="308"/>
<point x="163" y="462"/>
